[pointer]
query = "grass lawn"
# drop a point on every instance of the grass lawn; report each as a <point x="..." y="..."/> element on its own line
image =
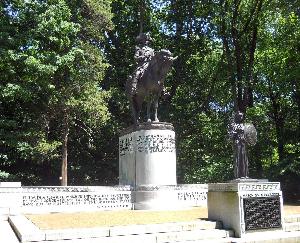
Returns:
<point x="114" y="218"/>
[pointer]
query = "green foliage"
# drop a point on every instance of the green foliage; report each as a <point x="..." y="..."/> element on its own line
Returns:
<point x="49" y="70"/>
<point x="65" y="60"/>
<point x="4" y="176"/>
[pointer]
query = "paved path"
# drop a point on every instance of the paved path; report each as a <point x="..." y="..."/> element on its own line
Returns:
<point x="7" y="235"/>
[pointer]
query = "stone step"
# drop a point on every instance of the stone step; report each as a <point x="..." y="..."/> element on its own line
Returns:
<point x="152" y="233"/>
<point x="292" y="218"/>
<point x="148" y="238"/>
<point x="193" y="235"/>
<point x="269" y="237"/>
<point x="292" y="222"/>
<point x="223" y="240"/>
<point x="164" y="228"/>
<point x="7" y="234"/>
<point x="25" y="229"/>
<point x="292" y="226"/>
<point x="185" y="236"/>
<point x="262" y="237"/>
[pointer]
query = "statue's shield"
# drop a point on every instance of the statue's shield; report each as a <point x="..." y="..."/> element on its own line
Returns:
<point x="250" y="134"/>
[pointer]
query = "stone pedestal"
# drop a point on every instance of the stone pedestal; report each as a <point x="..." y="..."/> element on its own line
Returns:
<point x="246" y="207"/>
<point x="147" y="159"/>
<point x="156" y="198"/>
<point x="147" y="155"/>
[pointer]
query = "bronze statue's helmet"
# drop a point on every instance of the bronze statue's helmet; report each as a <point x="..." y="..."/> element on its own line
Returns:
<point x="143" y="38"/>
<point x="238" y="116"/>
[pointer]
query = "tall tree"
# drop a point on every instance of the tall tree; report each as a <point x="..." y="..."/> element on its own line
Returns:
<point x="57" y="68"/>
<point x="277" y="76"/>
<point x="238" y="25"/>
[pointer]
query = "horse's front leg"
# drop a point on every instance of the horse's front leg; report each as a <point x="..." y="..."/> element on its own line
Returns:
<point x="149" y="110"/>
<point x="156" y="108"/>
<point x="134" y="111"/>
<point x="138" y="106"/>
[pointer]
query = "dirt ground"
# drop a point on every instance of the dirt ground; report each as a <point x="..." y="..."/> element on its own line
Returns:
<point x="114" y="218"/>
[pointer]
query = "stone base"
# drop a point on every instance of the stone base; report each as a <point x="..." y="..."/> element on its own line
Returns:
<point x="156" y="200"/>
<point x="246" y="207"/>
<point x="193" y="231"/>
<point x="151" y="197"/>
<point x="147" y="155"/>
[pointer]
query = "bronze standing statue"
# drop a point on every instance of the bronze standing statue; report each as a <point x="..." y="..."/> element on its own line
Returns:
<point x="147" y="82"/>
<point x="242" y="135"/>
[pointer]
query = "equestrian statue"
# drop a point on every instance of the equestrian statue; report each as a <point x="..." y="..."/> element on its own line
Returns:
<point x="147" y="82"/>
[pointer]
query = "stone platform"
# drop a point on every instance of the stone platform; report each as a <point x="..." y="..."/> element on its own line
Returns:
<point x="199" y="231"/>
<point x="151" y="233"/>
<point x="246" y="206"/>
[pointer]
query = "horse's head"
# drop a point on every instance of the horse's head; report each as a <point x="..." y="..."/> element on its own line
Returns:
<point x="165" y="56"/>
<point x="162" y="62"/>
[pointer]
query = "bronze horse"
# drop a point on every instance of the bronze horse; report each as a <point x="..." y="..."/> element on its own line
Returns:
<point x="150" y="85"/>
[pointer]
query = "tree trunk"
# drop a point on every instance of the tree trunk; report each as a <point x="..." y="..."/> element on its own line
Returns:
<point x="64" y="165"/>
<point x="296" y="92"/>
<point x="279" y="123"/>
<point x="178" y="64"/>
<point x="230" y="61"/>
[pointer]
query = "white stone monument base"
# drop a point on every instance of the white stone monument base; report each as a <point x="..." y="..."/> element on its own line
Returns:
<point x="156" y="200"/>
<point x="246" y="207"/>
<point x="147" y="155"/>
<point x="153" y="197"/>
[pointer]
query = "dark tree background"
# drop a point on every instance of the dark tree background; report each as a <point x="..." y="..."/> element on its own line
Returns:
<point x="63" y="66"/>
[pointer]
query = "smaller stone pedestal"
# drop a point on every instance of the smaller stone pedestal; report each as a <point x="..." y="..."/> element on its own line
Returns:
<point x="246" y="207"/>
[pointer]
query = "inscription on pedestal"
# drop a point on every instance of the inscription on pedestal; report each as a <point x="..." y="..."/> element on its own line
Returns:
<point x="155" y="143"/>
<point x="262" y="213"/>
<point x="125" y="146"/>
<point x="145" y="155"/>
<point x="151" y="143"/>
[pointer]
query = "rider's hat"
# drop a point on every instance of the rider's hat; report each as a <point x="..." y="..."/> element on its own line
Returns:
<point x="142" y="38"/>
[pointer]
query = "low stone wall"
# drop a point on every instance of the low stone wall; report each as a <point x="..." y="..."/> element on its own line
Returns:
<point x="14" y="200"/>
<point x="192" y="195"/>
<point x="62" y="199"/>
<point x="170" y="197"/>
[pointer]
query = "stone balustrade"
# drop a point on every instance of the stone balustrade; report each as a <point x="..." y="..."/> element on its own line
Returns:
<point x="14" y="200"/>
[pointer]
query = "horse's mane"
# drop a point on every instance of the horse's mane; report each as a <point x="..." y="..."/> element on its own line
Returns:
<point x="155" y="59"/>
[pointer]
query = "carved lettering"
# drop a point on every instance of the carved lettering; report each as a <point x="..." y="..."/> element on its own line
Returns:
<point x="105" y="200"/>
<point x="192" y="196"/>
<point x="125" y="146"/>
<point x="147" y="144"/>
<point x="262" y="213"/>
